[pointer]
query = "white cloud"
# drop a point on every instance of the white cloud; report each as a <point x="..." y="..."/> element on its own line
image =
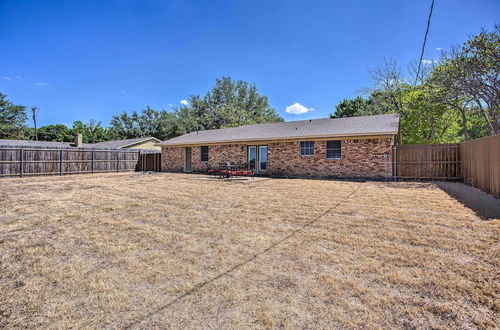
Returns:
<point x="5" y="78"/>
<point x="427" y="61"/>
<point x="42" y="84"/>
<point x="184" y="102"/>
<point x="19" y="78"/>
<point x="297" y="109"/>
<point x="439" y="49"/>
<point x="124" y="92"/>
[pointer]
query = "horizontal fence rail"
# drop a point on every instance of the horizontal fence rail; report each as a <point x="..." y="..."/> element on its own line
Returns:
<point x="427" y="162"/>
<point x="16" y="161"/>
<point x="481" y="164"/>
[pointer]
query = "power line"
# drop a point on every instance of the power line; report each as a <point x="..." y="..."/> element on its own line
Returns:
<point x="243" y="263"/>
<point x="425" y="41"/>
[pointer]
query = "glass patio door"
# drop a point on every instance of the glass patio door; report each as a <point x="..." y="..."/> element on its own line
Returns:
<point x="252" y="157"/>
<point x="262" y="159"/>
<point x="257" y="158"/>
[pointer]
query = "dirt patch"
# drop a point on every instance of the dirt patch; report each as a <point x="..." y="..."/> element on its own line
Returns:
<point x="485" y="205"/>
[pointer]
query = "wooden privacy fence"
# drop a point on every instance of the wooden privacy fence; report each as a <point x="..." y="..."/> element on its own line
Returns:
<point x="481" y="164"/>
<point x="427" y="162"/>
<point x="149" y="162"/>
<point x="16" y="161"/>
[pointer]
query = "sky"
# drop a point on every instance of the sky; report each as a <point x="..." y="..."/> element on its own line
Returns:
<point x="82" y="60"/>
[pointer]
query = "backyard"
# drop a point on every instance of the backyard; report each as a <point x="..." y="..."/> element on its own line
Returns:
<point x="134" y="250"/>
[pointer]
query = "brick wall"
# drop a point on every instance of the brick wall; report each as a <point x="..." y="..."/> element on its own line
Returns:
<point x="173" y="157"/>
<point x="362" y="158"/>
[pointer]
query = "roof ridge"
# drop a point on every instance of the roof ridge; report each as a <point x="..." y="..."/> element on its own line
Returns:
<point x="292" y="121"/>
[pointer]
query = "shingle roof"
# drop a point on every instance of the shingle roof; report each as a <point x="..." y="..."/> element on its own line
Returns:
<point x="326" y="127"/>
<point x="116" y="144"/>
<point x="35" y="144"/>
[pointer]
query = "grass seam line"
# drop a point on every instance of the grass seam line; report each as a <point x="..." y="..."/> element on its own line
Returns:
<point x="241" y="264"/>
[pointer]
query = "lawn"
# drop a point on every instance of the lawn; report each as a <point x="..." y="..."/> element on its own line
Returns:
<point x="169" y="250"/>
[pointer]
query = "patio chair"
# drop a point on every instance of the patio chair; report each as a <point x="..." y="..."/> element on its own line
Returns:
<point x="212" y="170"/>
<point x="241" y="170"/>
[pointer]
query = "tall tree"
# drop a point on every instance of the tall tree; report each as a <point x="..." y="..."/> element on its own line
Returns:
<point x="150" y="122"/>
<point x="92" y="132"/>
<point x="123" y="126"/>
<point x="229" y="103"/>
<point x="350" y="108"/>
<point x="472" y="72"/>
<point x="58" y="133"/>
<point x="12" y="119"/>
<point x="458" y="98"/>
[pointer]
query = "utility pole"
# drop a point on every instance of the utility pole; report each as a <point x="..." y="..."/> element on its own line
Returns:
<point x="34" y="111"/>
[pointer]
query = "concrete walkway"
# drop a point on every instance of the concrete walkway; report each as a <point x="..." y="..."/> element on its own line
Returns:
<point x="485" y="205"/>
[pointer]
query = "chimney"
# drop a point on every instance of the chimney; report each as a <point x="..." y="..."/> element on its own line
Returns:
<point x="78" y="141"/>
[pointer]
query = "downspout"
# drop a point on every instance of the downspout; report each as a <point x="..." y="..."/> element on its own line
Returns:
<point x="394" y="160"/>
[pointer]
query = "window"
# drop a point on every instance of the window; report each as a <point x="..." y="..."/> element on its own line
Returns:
<point x="307" y="148"/>
<point x="204" y="154"/>
<point x="333" y="150"/>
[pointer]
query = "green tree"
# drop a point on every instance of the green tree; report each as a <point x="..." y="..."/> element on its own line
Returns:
<point x="92" y="132"/>
<point x="349" y="108"/>
<point x="229" y="103"/>
<point x="150" y="122"/>
<point x="159" y="124"/>
<point x="12" y="119"/>
<point x="457" y="99"/>
<point x="58" y="133"/>
<point x="425" y="121"/>
<point x="471" y="72"/>
<point x="123" y="126"/>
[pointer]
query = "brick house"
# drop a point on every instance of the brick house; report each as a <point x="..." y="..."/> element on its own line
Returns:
<point x="343" y="147"/>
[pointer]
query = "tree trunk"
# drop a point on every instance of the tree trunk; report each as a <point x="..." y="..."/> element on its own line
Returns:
<point x="494" y="130"/>
<point x="464" y="124"/>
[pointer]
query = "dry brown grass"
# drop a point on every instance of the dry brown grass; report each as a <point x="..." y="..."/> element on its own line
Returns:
<point x="119" y="250"/>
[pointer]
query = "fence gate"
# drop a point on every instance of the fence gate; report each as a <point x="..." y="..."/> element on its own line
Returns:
<point x="149" y="162"/>
<point x="427" y="162"/>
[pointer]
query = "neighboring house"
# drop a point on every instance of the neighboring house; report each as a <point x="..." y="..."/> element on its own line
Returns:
<point x="145" y="143"/>
<point x="35" y="144"/>
<point x="343" y="147"/>
<point x="137" y="143"/>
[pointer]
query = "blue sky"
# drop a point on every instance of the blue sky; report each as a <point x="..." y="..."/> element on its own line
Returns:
<point x="81" y="60"/>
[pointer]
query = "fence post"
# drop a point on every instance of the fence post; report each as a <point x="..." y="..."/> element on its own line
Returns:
<point x="118" y="161"/>
<point x="61" y="155"/>
<point x="21" y="166"/>
<point x="92" y="163"/>
<point x="395" y="164"/>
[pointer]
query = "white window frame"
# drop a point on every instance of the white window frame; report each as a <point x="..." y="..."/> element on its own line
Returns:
<point x="307" y="148"/>
<point x="339" y="149"/>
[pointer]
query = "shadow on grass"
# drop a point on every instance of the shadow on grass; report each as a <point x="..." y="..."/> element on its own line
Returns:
<point x="486" y="206"/>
